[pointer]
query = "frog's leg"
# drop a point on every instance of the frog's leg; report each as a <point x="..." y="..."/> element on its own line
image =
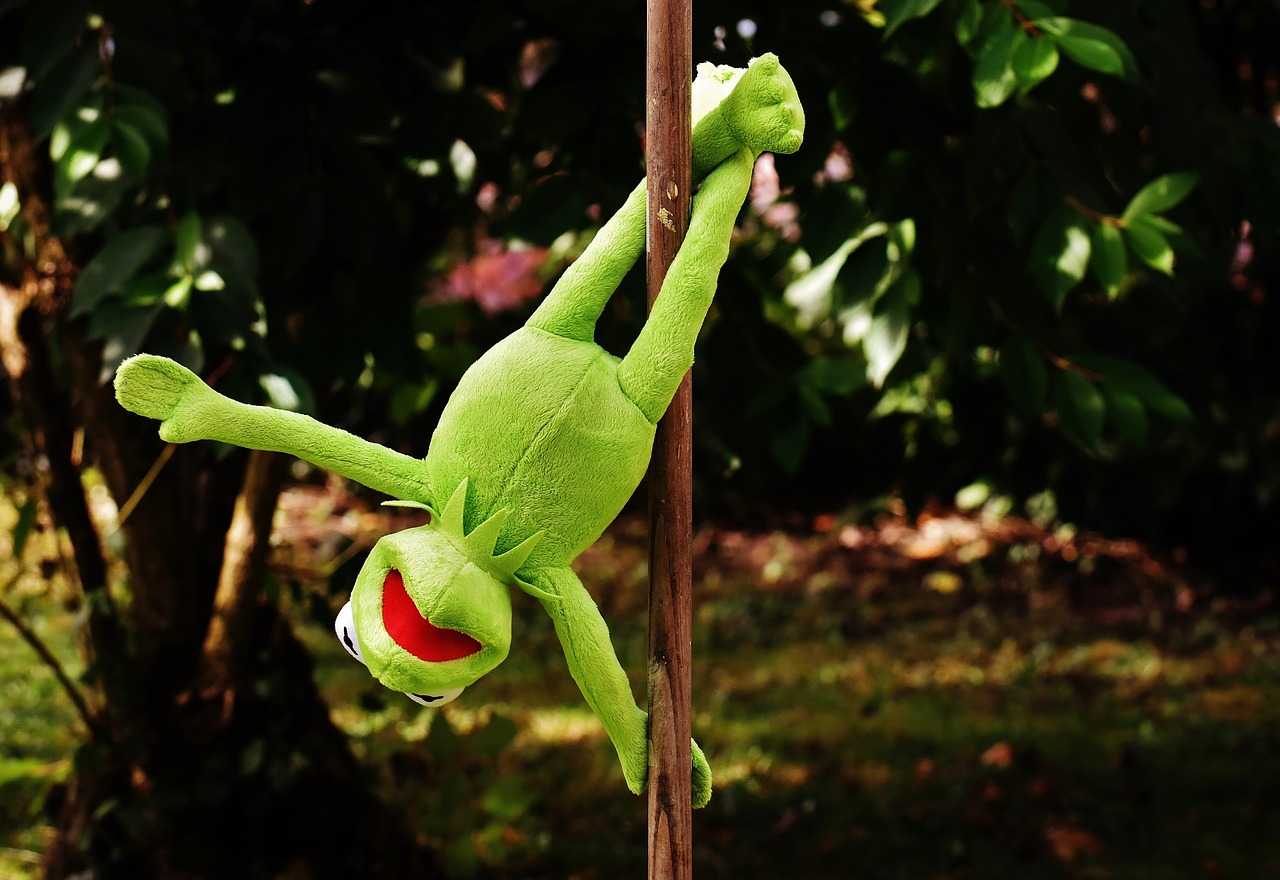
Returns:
<point x="188" y="409"/>
<point x="663" y="352"/>
<point x="595" y="667"/>
<point x="759" y="110"/>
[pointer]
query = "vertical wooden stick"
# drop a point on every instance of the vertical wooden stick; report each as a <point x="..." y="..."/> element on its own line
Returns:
<point x="669" y="146"/>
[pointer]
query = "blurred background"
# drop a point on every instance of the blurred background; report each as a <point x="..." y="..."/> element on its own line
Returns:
<point x="987" y="437"/>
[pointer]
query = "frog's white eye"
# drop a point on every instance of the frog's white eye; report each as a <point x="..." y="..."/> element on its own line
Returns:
<point x="447" y="695"/>
<point x="345" y="627"/>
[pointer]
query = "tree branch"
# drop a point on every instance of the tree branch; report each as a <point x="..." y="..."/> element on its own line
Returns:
<point x="51" y="661"/>
<point x="224" y="656"/>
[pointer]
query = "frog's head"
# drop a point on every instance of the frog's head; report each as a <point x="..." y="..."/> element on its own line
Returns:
<point x="431" y="609"/>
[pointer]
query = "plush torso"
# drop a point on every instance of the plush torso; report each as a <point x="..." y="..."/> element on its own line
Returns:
<point x="540" y="425"/>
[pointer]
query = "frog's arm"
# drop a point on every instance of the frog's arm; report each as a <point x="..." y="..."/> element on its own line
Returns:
<point x="663" y="352"/>
<point x="188" y="409"/>
<point x="757" y="109"/>
<point x="595" y="667"/>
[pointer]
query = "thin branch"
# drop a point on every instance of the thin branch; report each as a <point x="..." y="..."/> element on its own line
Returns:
<point x="50" y="660"/>
<point x="1052" y="357"/>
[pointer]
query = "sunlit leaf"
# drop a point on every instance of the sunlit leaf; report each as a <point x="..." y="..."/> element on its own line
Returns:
<point x="1060" y="254"/>
<point x="1034" y="59"/>
<point x="811" y="294"/>
<point x="1080" y="408"/>
<point x="1160" y="194"/>
<point x="115" y="264"/>
<point x="993" y="76"/>
<point x="1024" y="376"/>
<point x="1150" y="244"/>
<point x="9" y="204"/>
<point x="1107" y="256"/>
<point x="886" y="338"/>
<point x="898" y="12"/>
<point x="1091" y="46"/>
<point x="84" y="150"/>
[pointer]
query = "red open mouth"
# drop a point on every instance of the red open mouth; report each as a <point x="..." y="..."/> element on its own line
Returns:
<point x="413" y="632"/>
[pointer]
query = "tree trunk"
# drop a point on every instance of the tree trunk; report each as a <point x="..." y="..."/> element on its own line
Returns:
<point x="217" y="756"/>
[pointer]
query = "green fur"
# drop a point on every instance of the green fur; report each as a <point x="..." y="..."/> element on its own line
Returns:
<point x="542" y="443"/>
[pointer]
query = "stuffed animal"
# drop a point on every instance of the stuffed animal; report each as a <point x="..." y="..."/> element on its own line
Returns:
<point x="536" y="452"/>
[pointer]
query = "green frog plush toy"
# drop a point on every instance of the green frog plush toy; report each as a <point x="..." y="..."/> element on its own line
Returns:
<point x="544" y="440"/>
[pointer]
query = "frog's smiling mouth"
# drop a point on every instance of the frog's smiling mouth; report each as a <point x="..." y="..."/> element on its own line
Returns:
<point x="413" y="632"/>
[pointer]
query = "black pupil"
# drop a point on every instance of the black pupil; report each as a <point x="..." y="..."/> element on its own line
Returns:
<point x="429" y="699"/>
<point x="346" y="640"/>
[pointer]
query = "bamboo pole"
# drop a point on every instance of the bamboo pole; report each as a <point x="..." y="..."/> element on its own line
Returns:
<point x="669" y="74"/>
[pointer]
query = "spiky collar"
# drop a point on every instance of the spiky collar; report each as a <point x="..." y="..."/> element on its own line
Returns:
<point x="478" y="545"/>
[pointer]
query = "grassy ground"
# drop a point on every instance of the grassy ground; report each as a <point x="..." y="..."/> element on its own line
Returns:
<point x="940" y="698"/>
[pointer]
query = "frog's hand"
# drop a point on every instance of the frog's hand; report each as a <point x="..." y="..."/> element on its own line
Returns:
<point x="758" y="108"/>
<point x="594" y="666"/>
<point x="701" y="777"/>
<point x="188" y="409"/>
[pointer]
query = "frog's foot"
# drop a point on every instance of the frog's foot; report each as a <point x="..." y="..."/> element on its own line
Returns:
<point x="763" y="111"/>
<point x="159" y="388"/>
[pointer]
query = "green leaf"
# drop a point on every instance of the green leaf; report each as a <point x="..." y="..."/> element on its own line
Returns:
<point x="1127" y="413"/>
<point x="1160" y="194"/>
<point x="1060" y="254"/>
<point x="832" y="376"/>
<point x="886" y="338"/>
<point x="10" y="207"/>
<point x="130" y="147"/>
<point x="969" y="24"/>
<point x="51" y="32"/>
<point x="187" y="243"/>
<point x="1034" y="59"/>
<point x="1023" y="373"/>
<point x="814" y="406"/>
<point x="789" y="442"/>
<point x="1107" y="256"/>
<point x="1035" y="10"/>
<point x="1080" y="408"/>
<point x="22" y="529"/>
<point x="1149" y="243"/>
<point x="62" y="90"/>
<point x="115" y="264"/>
<point x="146" y="120"/>
<point x="993" y="76"/>
<point x="1137" y="380"/>
<point x="494" y="737"/>
<point x="898" y="12"/>
<point x="509" y="798"/>
<point x="811" y="294"/>
<point x="1091" y="46"/>
<point x="84" y="150"/>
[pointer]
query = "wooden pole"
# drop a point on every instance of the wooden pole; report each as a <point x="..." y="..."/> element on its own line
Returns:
<point x="669" y="74"/>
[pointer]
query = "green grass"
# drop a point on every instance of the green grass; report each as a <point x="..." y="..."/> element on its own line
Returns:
<point x="39" y="731"/>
